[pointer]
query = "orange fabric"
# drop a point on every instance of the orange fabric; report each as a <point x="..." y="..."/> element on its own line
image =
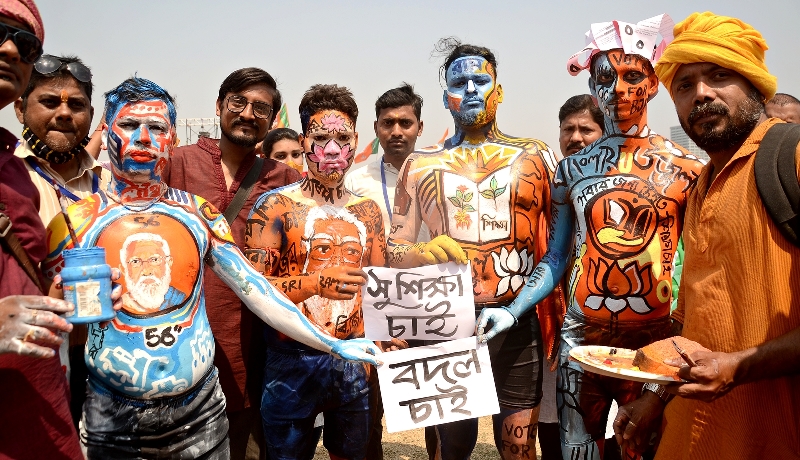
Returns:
<point x="741" y="288"/>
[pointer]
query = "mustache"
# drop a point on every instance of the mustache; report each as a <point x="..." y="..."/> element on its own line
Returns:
<point x="241" y="122"/>
<point x="575" y="145"/>
<point x="709" y="108"/>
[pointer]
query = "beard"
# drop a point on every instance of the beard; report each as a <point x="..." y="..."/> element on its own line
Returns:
<point x="324" y="311"/>
<point x="736" y="129"/>
<point x="241" y="139"/>
<point x="149" y="296"/>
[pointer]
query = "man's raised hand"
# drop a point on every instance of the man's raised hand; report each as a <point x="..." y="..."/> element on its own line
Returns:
<point x="436" y="251"/>
<point x="29" y="325"/>
<point x="340" y="283"/>
<point x="357" y="350"/>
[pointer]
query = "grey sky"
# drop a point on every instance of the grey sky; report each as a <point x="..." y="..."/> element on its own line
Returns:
<point x="189" y="47"/>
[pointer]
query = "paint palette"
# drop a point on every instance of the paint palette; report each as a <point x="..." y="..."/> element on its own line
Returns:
<point x="615" y="362"/>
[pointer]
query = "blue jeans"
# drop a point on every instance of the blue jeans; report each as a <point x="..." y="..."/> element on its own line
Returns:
<point x="298" y="385"/>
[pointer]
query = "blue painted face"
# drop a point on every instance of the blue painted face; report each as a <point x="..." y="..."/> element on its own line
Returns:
<point x="140" y="140"/>
<point x="472" y="94"/>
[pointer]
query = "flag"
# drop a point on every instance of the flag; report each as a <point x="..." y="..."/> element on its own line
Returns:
<point x="371" y="149"/>
<point x="282" y="120"/>
<point x="444" y="136"/>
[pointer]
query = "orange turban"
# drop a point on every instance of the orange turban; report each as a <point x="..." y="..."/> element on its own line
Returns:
<point x="722" y="40"/>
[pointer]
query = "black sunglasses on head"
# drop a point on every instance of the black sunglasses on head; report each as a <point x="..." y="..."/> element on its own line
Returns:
<point x="48" y="64"/>
<point x="28" y="46"/>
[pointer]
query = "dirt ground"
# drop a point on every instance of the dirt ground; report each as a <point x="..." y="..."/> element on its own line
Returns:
<point x="410" y="445"/>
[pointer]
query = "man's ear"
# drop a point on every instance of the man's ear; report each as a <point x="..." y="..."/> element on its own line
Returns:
<point x="499" y="90"/>
<point x="219" y="107"/>
<point x="305" y="142"/>
<point x="445" y="101"/>
<point x="375" y="127"/>
<point x="18" y="107"/>
<point x="104" y="136"/>
<point x="355" y="143"/>
<point x="419" y="133"/>
<point x="652" y="90"/>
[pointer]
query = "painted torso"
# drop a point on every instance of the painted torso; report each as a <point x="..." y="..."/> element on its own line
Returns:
<point x="628" y="196"/>
<point x="290" y="216"/>
<point x="488" y="198"/>
<point x="166" y="351"/>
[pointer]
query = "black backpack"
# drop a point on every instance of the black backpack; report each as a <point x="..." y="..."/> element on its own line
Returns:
<point x="776" y="178"/>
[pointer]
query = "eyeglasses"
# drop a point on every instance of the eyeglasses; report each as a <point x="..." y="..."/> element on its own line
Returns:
<point x="237" y="104"/>
<point x="48" y="64"/>
<point x="153" y="261"/>
<point x="28" y="46"/>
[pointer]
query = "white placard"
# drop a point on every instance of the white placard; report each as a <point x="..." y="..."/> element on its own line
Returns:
<point x="433" y="302"/>
<point x="436" y="384"/>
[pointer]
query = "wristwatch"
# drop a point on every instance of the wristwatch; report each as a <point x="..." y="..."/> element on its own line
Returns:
<point x="659" y="390"/>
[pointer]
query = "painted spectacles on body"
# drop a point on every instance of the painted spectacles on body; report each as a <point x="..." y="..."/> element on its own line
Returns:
<point x="48" y="64"/>
<point x="28" y="46"/>
<point x="153" y="261"/>
<point x="237" y="104"/>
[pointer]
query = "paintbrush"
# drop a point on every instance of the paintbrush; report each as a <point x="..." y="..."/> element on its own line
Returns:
<point x="683" y="354"/>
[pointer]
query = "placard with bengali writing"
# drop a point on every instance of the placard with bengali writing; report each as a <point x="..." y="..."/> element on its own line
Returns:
<point x="436" y="384"/>
<point x="433" y="302"/>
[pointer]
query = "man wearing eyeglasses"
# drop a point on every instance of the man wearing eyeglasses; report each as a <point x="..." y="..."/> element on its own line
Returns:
<point x="215" y="169"/>
<point x="34" y="410"/>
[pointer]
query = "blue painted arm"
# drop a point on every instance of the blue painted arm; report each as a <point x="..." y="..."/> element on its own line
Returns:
<point x="276" y="310"/>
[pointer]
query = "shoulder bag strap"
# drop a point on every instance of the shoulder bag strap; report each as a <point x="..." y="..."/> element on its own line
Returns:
<point x="776" y="178"/>
<point x="245" y="188"/>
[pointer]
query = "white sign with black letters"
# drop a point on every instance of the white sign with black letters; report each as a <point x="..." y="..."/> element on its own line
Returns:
<point x="436" y="384"/>
<point x="433" y="302"/>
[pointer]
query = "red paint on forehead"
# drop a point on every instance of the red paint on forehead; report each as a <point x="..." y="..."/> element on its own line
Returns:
<point x="145" y="108"/>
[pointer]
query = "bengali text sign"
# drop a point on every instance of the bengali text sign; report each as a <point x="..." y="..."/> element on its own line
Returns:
<point x="433" y="302"/>
<point x="436" y="384"/>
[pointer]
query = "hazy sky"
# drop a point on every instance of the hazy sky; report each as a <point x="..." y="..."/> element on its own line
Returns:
<point x="189" y="47"/>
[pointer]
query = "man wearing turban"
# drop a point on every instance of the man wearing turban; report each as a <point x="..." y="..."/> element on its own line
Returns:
<point x="741" y="278"/>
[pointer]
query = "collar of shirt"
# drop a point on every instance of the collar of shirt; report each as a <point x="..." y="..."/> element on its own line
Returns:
<point x="88" y="163"/>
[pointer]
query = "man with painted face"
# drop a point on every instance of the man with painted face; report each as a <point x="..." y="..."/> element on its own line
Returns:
<point x="215" y="169"/>
<point x="153" y="388"/>
<point x="483" y="194"/>
<point x="311" y="239"/>
<point x="620" y="202"/>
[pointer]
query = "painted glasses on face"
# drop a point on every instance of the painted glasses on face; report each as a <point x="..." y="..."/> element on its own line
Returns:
<point x="470" y="95"/>
<point x="622" y="84"/>
<point x="331" y="135"/>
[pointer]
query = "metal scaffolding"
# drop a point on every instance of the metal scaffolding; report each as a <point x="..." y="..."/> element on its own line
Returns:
<point x="196" y="128"/>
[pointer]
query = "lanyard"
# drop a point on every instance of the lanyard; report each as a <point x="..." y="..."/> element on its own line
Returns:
<point x="33" y="164"/>
<point x="385" y="192"/>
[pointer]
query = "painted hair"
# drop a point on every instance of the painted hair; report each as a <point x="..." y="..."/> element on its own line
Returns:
<point x="454" y="49"/>
<point x="327" y="97"/>
<point x="399" y="97"/>
<point x="579" y="104"/>
<point x="249" y="76"/>
<point x="38" y="79"/>
<point x="137" y="90"/>
<point x="276" y="135"/>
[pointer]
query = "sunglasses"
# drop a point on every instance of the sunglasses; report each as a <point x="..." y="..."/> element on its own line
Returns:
<point x="28" y="46"/>
<point x="48" y="64"/>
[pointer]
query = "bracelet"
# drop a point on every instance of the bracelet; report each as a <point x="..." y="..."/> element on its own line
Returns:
<point x="659" y="390"/>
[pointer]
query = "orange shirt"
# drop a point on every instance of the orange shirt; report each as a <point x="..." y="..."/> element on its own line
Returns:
<point x="741" y="288"/>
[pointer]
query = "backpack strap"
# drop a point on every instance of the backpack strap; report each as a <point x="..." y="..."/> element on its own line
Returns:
<point x="11" y="243"/>
<point x="776" y="178"/>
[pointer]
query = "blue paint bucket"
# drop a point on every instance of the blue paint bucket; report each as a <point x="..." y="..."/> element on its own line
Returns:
<point x="87" y="284"/>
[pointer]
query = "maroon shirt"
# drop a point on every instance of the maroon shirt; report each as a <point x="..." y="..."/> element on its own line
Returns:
<point x="34" y="399"/>
<point x="197" y="169"/>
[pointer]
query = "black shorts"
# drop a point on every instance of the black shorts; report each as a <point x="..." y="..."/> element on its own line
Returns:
<point x="516" y="357"/>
